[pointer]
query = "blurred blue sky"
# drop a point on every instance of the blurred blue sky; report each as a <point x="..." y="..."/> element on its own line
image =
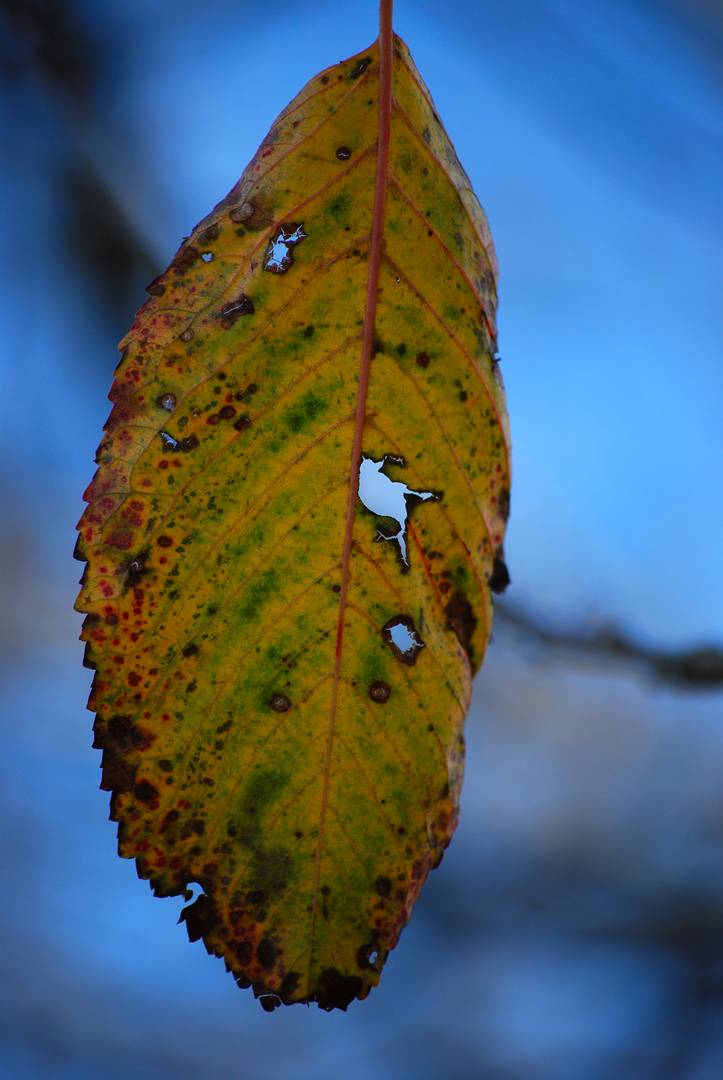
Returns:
<point x="593" y="134"/>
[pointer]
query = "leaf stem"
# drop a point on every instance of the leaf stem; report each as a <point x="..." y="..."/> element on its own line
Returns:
<point x="385" y="20"/>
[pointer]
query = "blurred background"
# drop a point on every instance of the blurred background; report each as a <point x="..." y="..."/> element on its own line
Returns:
<point x="575" y="927"/>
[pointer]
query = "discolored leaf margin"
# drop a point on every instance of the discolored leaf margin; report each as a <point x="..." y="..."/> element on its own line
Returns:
<point x="306" y="886"/>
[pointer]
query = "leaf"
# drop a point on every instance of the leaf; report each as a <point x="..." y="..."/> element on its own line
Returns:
<point x="292" y="534"/>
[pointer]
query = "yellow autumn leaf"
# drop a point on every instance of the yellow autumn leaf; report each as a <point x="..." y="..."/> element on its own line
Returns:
<point x="297" y="518"/>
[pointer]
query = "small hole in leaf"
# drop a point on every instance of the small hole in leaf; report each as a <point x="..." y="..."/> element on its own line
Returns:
<point x="279" y="257"/>
<point x="193" y="891"/>
<point x="401" y="636"/>
<point x="168" y="441"/>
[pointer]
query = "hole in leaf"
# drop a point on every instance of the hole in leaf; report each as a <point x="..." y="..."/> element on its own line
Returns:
<point x="193" y="890"/>
<point x="401" y="636"/>
<point x="279" y="256"/>
<point x="168" y="441"/>
<point x="388" y="498"/>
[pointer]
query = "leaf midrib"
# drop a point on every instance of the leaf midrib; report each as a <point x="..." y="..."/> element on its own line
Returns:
<point x="386" y="57"/>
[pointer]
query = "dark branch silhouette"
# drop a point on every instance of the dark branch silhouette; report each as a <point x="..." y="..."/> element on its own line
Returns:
<point x="699" y="667"/>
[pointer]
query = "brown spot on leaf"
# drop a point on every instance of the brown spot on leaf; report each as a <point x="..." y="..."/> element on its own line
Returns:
<point x="379" y="691"/>
<point x="343" y="153"/>
<point x="362" y="956"/>
<point x="118" y="729"/>
<point x="135" y="568"/>
<point x="383" y="886"/>
<point x="117" y="774"/>
<point x="244" y="951"/>
<point x="280" y="703"/>
<point x="210" y="234"/>
<point x="360" y="67"/>
<point x="185" y="259"/>
<point x="244" y="395"/>
<point x="242" y="213"/>
<point x="462" y="620"/>
<point x="127" y="406"/>
<point x="200" y="917"/>
<point x="229" y="313"/>
<point x="187" y="444"/>
<point x="499" y="579"/>
<point x="266" y="953"/>
<point x="155" y="287"/>
<point x="336" y="991"/>
<point x="289" y="984"/>
<point x="145" y="791"/>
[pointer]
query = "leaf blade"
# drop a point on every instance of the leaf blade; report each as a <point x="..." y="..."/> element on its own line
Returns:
<point x="262" y="734"/>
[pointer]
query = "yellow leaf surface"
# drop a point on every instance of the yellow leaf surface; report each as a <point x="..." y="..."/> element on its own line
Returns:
<point x="297" y="518"/>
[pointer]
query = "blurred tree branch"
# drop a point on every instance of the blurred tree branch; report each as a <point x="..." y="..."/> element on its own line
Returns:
<point x="699" y="667"/>
<point x="49" y="46"/>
